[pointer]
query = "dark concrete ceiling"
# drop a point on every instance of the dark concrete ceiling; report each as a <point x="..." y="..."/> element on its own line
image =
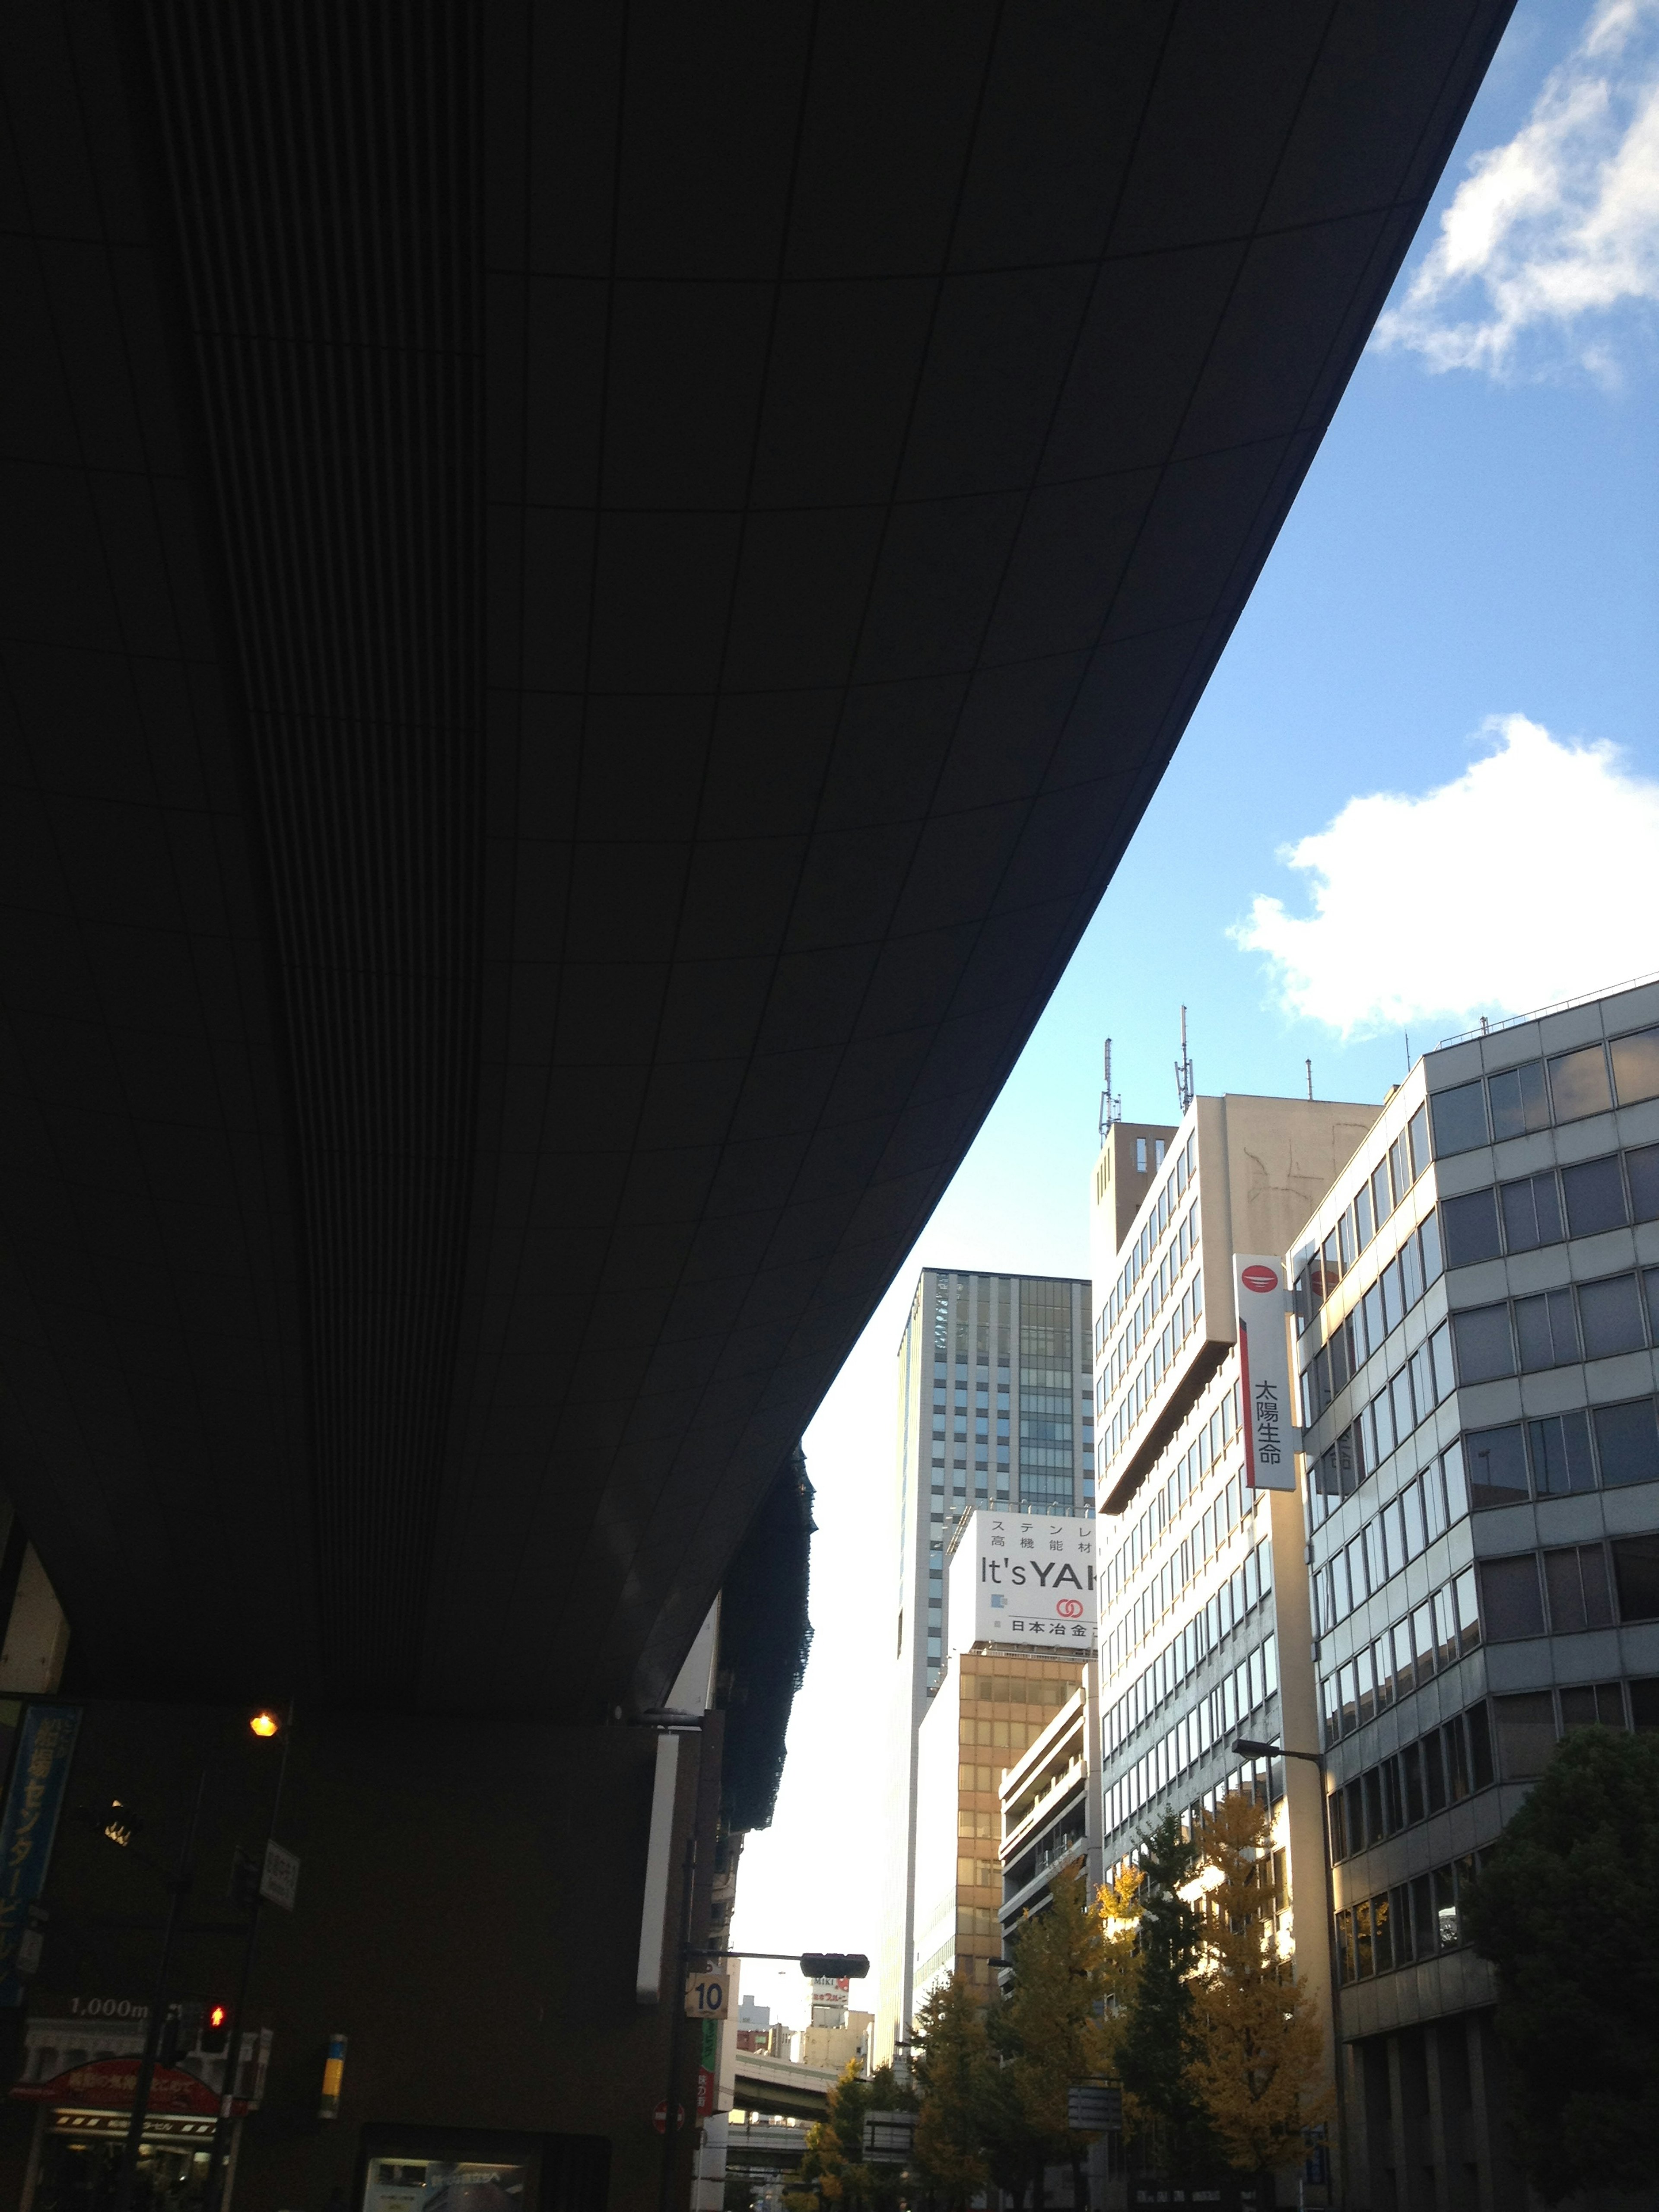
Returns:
<point x="592" y="595"/>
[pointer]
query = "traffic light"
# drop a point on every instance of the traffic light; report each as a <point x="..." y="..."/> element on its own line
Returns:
<point x="244" y="1880"/>
<point x="215" y="2030"/>
<point x="172" y="2034"/>
<point x="835" y="1965"/>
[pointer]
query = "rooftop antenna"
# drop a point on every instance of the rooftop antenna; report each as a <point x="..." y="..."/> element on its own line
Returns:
<point x="1308" y="1063"/>
<point x="1408" y="1052"/>
<point x="1111" y="1107"/>
<point x="1184" y="1069"/>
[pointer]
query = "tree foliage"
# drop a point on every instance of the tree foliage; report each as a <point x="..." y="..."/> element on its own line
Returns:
<point x="833" y="2165"/>
<point x="1564" y="1908"/>
<point x="1049" y="2027"/>
<point x="1157" y="2047"/>
<point x="953" y="2071"/>
<point x="1257" y="2065"/>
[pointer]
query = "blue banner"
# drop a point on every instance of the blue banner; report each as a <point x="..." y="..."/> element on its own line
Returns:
<point x="45" y="1744"/>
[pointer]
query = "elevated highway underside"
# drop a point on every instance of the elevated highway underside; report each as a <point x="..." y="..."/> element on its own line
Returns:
<point x="590" y="596"/>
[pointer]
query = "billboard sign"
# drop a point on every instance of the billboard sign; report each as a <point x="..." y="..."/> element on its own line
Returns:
<point x="1264" y="1367"/>
<point x="1024" y="1578"/>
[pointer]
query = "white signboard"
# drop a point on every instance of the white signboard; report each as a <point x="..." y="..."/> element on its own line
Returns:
<point x="279" y="1877"/>
<point x="1264" y="1366"/>
<point x="1024" y="1578"/>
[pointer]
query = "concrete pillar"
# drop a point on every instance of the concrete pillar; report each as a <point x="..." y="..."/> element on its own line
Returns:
<point x="1440" y="2133"/>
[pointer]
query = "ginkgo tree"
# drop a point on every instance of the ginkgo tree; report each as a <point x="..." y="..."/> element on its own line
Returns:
<point x="1257" y="2065"/>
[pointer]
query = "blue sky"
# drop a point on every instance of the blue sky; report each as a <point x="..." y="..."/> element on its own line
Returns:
<point x="1477" y="540"/>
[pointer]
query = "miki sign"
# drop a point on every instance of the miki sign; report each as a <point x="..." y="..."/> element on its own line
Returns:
<point x="1024" y="1578"/>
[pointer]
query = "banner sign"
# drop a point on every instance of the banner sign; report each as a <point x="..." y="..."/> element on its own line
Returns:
<point x="1264" y="1367"/>
<point x="1024" y="1578"/>
<point x="45" y="1744"/>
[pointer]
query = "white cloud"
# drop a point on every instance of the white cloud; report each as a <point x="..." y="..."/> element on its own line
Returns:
<point x="1550" y="235"/>
<point x="1529" y="879"/>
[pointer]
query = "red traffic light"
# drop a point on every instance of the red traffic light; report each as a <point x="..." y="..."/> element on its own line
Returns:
<point x="216" y="2028"/>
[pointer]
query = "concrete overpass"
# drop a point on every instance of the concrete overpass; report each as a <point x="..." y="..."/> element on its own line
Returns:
<point x="591" y="595"/>
<point x="592" y="598"/>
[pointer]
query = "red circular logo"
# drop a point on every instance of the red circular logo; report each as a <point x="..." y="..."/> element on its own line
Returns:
<point x="1070" y="1609"/>
<point x="1258" y="1278"/>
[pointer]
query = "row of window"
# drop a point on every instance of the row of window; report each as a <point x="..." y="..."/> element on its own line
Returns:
<point x="1179" y="1327"/>
<point x="1372" y="1204"/>
<point x="1585" y="1200"/>
<point x="1210" y="1722"/>
<point x="1364" y="1332"/>
<point x="1133" y="1629"/>
<point x="1554" y="1329"/>
<point x="1146" y="1244"/>
<point x="1390" y="1540"/>
<point x="1431" y="1636"/>
<point x="1570" y="1587"/>
<point x="1165" y="1503"/>
<point x="1243" y="1590"/>
<point x="1153" y="1300"/>
<point x="1412" y="1784"/>
<point x="1616" y="1445"/>
<point x="1420" y="1919"/>
<point x="1384" y="1423"/>
<point x="1564" y="1088"/>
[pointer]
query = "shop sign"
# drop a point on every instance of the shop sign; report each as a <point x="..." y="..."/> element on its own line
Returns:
<point x="106" y="2084"/>
<point x="45" y="1744"/>
<point x="1264" y="1367"/>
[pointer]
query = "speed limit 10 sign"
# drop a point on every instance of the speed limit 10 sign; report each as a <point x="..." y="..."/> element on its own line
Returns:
<point x="708" y="1996"/>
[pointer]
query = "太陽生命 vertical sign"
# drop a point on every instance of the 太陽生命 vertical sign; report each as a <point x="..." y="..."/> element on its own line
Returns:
<point x="1264" y="1366"/>
<point x="45" y="1744"/>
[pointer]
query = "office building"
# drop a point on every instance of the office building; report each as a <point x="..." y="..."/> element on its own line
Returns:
<point x="1205" y="1630"/>
<point x="1477" y="1301"/>
<point x="1049" y="1815"/>
<point x="993" y="1409"/>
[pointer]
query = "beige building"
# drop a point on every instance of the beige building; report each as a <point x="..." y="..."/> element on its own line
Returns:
<point x="1205" y="1628"/>
<point x="839" y="2046"/>
<point x="990" y="1706"/>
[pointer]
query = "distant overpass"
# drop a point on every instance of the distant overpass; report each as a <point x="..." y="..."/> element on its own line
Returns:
<point x="776" y="2086"/>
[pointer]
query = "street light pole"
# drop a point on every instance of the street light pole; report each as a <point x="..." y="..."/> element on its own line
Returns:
<point x="222" y="2130"/>
<point x="676" y="2000"/>
<point x="1249" y="1748"/>
<point x="177" y="1888"/>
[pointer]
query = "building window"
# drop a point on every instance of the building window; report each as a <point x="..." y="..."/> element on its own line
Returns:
<point x="1485" y="1350"/>
<point x="1546" y="1331"/>
<point x="1460" y="1118"/>
<point x="1594" y="1192"/>
<point x="1578" y="1083"/>
<point x="1511" y="1602"/>
<point x="1471" y="1228"/>
<point x="1611" y="1316"/>
<point x="1635" y="1573"/>
<point x="1576" y="1577"/>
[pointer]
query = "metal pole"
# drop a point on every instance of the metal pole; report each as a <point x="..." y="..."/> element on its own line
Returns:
<point x="1338" y="2055"/>
<point x="222" y="2125"/>
<point x="177" y="1888"/>
<point x="677" y="1999"/>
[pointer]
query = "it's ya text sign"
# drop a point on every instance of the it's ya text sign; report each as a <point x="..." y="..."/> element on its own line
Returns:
<point x="1264" y="1368"/>
<point x="1024" y="1578"/>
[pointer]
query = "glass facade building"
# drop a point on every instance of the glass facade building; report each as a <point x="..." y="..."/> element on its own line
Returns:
<point x="1478" y="1351"/>
<point x="994" y="1408"/>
